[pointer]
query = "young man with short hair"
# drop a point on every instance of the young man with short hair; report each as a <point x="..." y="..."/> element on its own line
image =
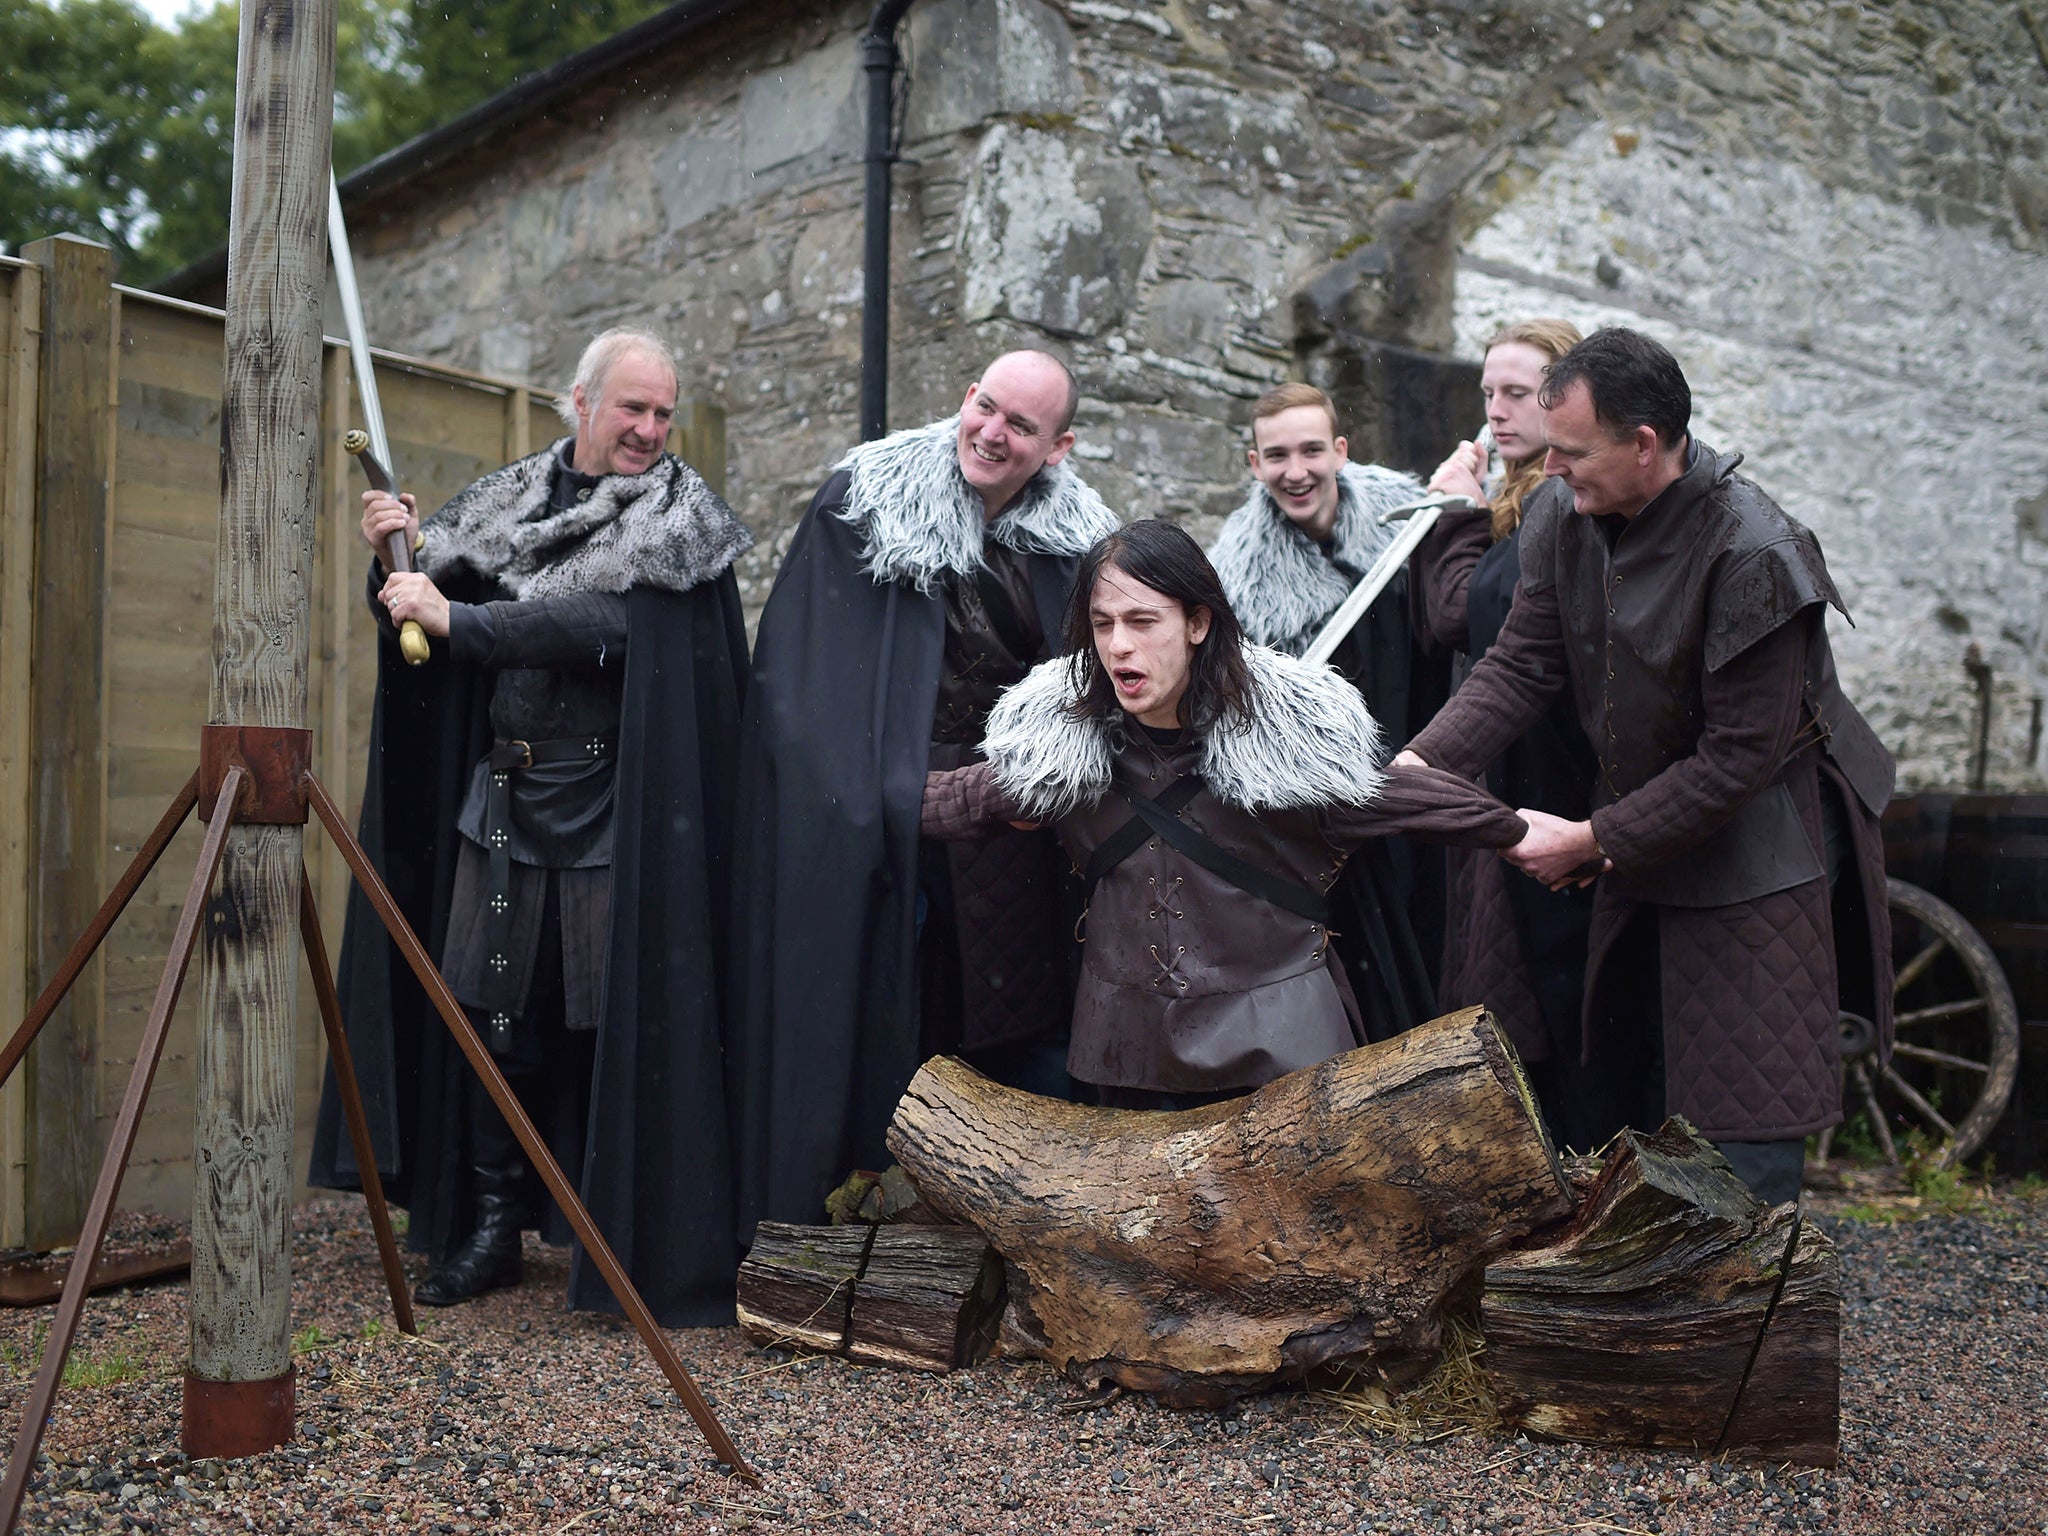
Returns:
<point x="1288" y="557"/>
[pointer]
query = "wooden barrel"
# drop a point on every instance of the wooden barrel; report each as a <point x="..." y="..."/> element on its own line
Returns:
<point x="1997" y="877"/>
<point x="1916" y="840"/>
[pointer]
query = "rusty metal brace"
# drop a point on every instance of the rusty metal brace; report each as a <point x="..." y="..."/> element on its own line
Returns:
<point x="263" y="776"/>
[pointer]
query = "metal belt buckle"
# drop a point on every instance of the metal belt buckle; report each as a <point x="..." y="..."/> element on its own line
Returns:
<point x="525" y="753"/>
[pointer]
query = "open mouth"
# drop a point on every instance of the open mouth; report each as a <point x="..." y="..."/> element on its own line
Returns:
<point x="984" y="455"/>
<point x="1129" y="680"/>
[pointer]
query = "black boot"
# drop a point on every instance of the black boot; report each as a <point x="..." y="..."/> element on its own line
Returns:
<point x="489" y="1261"/>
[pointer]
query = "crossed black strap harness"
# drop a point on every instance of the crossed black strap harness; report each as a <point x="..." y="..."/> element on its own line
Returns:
<point x="507" y="758"/>
<point x="1161" y="818"/>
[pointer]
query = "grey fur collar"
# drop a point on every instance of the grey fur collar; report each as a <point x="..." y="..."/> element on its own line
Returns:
<point x="664" y="529"/>
<point x="1276" y="578"/>
<point x="922" y="519"/>
<point x="1309" y="743"/>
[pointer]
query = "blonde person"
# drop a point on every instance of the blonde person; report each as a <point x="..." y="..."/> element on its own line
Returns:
<point x="1509" y="942"/>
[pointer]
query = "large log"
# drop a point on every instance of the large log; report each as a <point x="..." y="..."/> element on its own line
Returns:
<point x="1658" y="1317"/>
<point x="1200" y="1255"/>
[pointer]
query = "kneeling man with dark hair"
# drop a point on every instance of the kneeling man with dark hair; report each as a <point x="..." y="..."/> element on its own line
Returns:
<point x="1210" y="791"/>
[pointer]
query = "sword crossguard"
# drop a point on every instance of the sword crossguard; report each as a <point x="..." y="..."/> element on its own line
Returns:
<point x="1440" y="503"/>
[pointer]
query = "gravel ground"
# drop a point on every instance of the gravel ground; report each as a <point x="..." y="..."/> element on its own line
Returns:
<point x="513" y="1415"/>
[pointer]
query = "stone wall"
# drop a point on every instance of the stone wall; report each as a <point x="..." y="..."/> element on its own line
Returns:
<point x="1833" y="213"/>
<point x="1854" y="269"/>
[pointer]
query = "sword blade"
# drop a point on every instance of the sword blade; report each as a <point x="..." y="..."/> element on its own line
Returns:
<point x="352" y="320"/>
<point x="1373" y="583"/>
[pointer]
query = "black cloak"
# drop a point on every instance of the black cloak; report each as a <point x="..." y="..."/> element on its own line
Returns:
<point x="655" y="1157"/>
<point x="833" y="758"/>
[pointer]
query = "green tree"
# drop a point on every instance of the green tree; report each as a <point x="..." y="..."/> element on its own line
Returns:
<point x="119" y="129"/>
<point x="110" y="123"/>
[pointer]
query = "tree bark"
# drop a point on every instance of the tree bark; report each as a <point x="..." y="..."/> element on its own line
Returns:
<point x="1202" y="1255"/>
<point x="1639" y="1323"/>
<point x="796" y="1285"/>
<point x="270" y="445"/>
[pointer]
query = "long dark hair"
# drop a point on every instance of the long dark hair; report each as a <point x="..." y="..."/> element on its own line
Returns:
<point x="1160" y="555"/>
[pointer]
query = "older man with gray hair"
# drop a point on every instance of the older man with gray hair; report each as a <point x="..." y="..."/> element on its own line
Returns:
<point x="550" y="798"/>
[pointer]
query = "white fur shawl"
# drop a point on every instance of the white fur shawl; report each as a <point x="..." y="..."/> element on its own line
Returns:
<point x="1309" y="743"/>
<point x="1278" y="581"/>
<point x="922" y="519"/>
<point x="664" y="529"/>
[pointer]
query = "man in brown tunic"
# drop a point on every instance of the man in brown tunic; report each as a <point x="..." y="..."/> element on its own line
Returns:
<point x="1735" y="825"/>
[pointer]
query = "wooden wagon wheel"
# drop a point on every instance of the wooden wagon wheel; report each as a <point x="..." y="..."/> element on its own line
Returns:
<point x="1956" y="1049"/>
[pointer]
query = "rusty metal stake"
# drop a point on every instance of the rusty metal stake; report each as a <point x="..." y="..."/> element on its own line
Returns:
<point x="36" y="1416"/>
<point x="102" y="923"/>
<point x="551" y="1174"/>
<point x="1980" y="674"/>
<point x="351" y="1095"/>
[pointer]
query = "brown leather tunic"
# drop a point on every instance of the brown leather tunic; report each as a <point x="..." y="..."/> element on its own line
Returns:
<point x="1693" y="645"/>
<point x="1190" y="984"/>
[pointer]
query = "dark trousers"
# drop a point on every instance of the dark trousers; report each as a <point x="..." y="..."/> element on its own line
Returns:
<point x="548" y="1067"/>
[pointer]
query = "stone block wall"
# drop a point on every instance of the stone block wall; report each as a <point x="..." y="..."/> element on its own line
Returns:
<point x="1834" y="213"/>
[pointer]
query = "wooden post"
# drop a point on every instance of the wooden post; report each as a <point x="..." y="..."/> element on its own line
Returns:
<point x="20" y="366"/>
<point x="699" y="438"/>
<point x="67" y="855"/>
<point x="238" y="1386"/>
<point x="518" y="424"/>
<point x="337" y="606"/>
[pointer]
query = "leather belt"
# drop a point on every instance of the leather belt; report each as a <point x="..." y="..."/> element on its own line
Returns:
<point x="505" y="759"/>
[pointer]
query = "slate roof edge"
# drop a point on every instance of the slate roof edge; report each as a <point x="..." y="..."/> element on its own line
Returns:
<point x="522" y="99"/>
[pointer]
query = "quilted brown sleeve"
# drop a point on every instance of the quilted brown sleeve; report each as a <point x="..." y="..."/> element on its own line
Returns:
<point x="1443" y="576"/>
<point x="963" y="805"/>
<point x="1428" y="803"/>
<point x="1752" y="715"/>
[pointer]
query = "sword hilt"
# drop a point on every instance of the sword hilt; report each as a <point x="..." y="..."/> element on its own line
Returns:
<point x="412" y="640"/>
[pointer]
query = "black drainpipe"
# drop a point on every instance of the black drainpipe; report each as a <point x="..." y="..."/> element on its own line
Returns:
<point x="879" y="61"/>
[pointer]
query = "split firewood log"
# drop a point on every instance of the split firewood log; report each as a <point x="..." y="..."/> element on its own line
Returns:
<point x="1673" y="1310"/>
<point x="914" y="1297"/>
<point x="1201" y="1255"/>
<point x="796" y="1285"/>
<point x="930" y="1299"/>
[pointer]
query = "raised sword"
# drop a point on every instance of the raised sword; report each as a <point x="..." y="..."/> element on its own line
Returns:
<point x="368" y="443"/>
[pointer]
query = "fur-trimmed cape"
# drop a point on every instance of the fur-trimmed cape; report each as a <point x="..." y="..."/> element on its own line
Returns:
<point x="664" y="529"/>
<point x="920" y="519"/>
<point x="1309" y="742"/>
<point x="1280" y="585"/>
